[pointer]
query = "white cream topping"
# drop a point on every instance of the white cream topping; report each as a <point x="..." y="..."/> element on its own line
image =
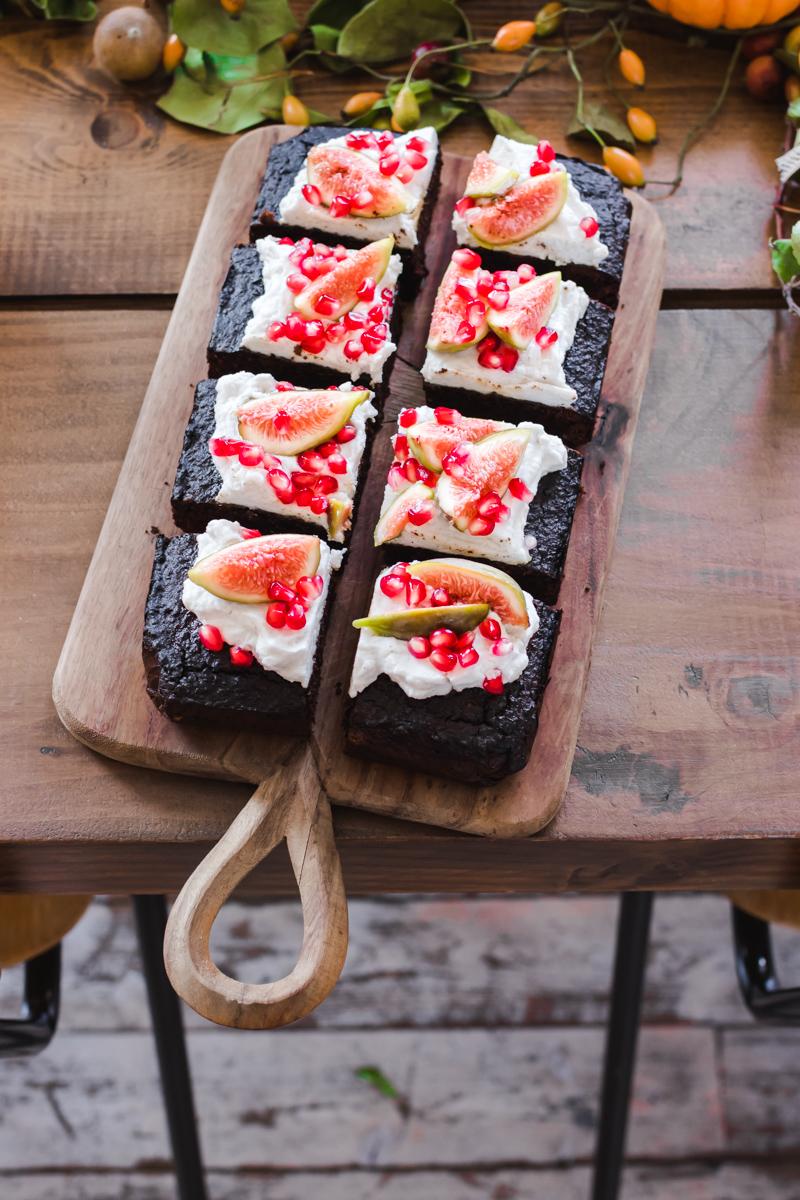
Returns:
<point x="538" y="374"/>
<point x="249" y="486"/>
<point x="508" y="542"/>
<point x="277" y="302"/>
<point x="296" y="210"/>
<point x="288" y="652"/>
<point x="376" y="655"/>
<point x="563" y="241"/>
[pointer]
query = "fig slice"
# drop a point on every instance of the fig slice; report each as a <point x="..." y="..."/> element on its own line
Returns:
<point x="419" y="622"/>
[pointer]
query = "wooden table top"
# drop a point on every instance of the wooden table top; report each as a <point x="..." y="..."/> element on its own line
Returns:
<point x="688" y="757"/>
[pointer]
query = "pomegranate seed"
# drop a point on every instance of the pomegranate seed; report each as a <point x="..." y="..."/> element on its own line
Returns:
<point x="285" y="241"/>
<point x="545" y="151"/>
<point x="503" y="513"/>
<point x="295" y="327"/>
<point x="466" y="640"/>
<point x="339" y="252"/>
<point x="420" y="514"/>
<point x="463" y="204"/>
<point x="415" y="592"/>
<point x="314" y="266"/>
<point x="396" y="478"/>
<point x="456" y="459"/>
<point x="465" y="290"/>
<point x="241" y="657"/>
<point x="509" y="357"/>
<point x="303" y="498"/>
<point x="323" y="251"/>
<point x="310" y="460"/>
<point x="282" y="421"/>
<point x="353" y="350"/>
<point x="314" y="345"/>
<point x="366" y="290"/>
<point x="502" y="647"/>
<point x="279" y="481"/>
<point x="490" y="359"/>
<point x="589" y="226"/>
<point x="490" y="628"/>
<point x="296" y="283"/>
<point x="326" y="306"/>
<point x="539" y="168"/>
<point x="336" y="332"/>
<point x="490" y="505"/>
<point x="327" y="449"/>
<point x="465" y="334"/>
<point x="468" y="657"/>
<point x="525" y="272"/>
<point x="282" y="385"/>
<point x="387" y="295"/>
<point x="314" y="329"/>
<point x="338" y="464"/>
<point x="211" y="638"/>
<point x="484" y="283"/>
<point x="311" y="194"/>
<point x="443" y="660"/>
<point x="319" y="505"/>
<point x="400" y="447"/>
<point x="470" y="260"/>
<point x="408" y="417"/>
<point x="354" y="320"/>
<point x="278" y="590"/>
<point x="446" y="416"/>
<point x="310" y="586"/>
<point x="325" y="485"/>
<point x="392" y="585"/>
<point x="420" y="647"/>
<point x="505" y="279"/>
<point x="296" y="616"/>
<point x="480" y="526"/>
<point x="426" y="476"/>
<point x="443" y="639"/>
<point x="355" y="141"/>
<point x="519" y="490"/>
<point x="250" y="456"/>
<point x="439" y="597"/>
<point x="493" y="684"/>
<point x="417" y="143"/>
<point x="411" y="469"/>
<point x="416" y="160"/>
<point x="224" y="447"/>
<point x="346" y="434"/>
<point x="270" y="461"/>
<point x="362" y="199"/>
<point x="276" y="331"/>
<point x="340" y="206"/>
<point x="303" y="479"/>
<point x="388" y="163"/>
<point x="276" y="615"/>
<point x="400" y="568"/>
<point x="405" y="172"/>
<point x="251" y="533"/>
<point x="384" y="139"/>
<point x="498" y="299"/>
<point x="371" y="341"/>
<point x="546" y="338"/>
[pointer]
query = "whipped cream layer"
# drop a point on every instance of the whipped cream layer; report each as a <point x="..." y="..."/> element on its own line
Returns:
<point x="538" y="374"/>
<point x="277" y="301"/>
<point x="249" y="486"/>
<point x="295" y="209"/>
<point x="419" y="679"/>
<point x="562" y="241"/>
<point x="288" y="652"/>
<point x="508" y="542"/>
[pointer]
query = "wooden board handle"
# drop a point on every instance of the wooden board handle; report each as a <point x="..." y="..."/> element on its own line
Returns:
<point x="291" y="805"/>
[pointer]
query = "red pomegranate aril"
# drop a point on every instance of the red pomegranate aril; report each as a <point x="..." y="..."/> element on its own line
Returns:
<point x="250" y="456"/>
<point x="465" y="290"/>
<point x="490" y="342"/>
<point x="276" y="615"/>
<point x="387" y="296"/>
<point x="241" y="657"/>
<point x="466" y="640"/>
<point x="276" y="331"/>
<point x="417" y="143"/>
<point x="327" y="449"/>
<point x="295" y="327"/>
<point x="490" y="505"/>
<point x="310" y="586"/>
<point x="279" y="480"/>
<point x="311" y="460"/>
<point x="401" y="447"/>
<point x="314" y="329"/>
<point x="502" y="647"/>
<point x="327" y="306"/>
<point x="355" y="141"/>
<point x="303" y="480"/>
<point x="545" y="151"/>
<point x="251" y="533"/>
<point x="415" y="591"/>
<point x="443" y="639"/>
<point x="480" y="526"/>
<point x="420" y="647"/>
<point x="407" y="418"/>
<point x="314" y="345"/>
<point x="340" y="206"/>
<point x="392" y="585"/>
<point x="303" y="498"/>
<point x="323" y="251"/>
<point x="338" y="464"/>
<point x="443" y="660"/>
<point x="509" y="357"/>
<point x="388" y="163"/>
<point x="503" y="512"/>
<point x="223" y="447"/>
<point x="520" y="490"/>
<point x="446" y="416"/>
<point x="498" y="299"/>
<point x="426" y="476"/>
<point x="405" y="172"/>
<point x="346" y="434"/>
<point x="439" y="598"/>
<point x="468" y="657"/>
<point x="493" y="684"/>
<point x="314" y="266"/>
<point x="354" y="320"/>
<point x="297" y="283"/>
<point x="476" y="311"/>
<point x="525" y="272"/>
<point x="546" y="337"/>
<point x="465" y="334"/>
<point x="211" y="638"/>
<point x="285" y="241"/>
<point x="283" y="385"/>
<point x="371" y="341"/>
<point x="589" y="226"/>
<point x="400" y="568"/>
<point x="311" y="194"/>
<point x="339" y="252"/>
<point x="353" y="350"/>
<point x="278" y="590"/>
<point x="366" y="290"/>
<point x="296" y="616"/>
<point x="396" y="478"/>
<point x="500" y="282"/>
<point x="416" y="160"/>
<point x="335" y="333"/>
<point x="384" y="138"/>
<point x="463" y="204"/>
<point x="490" y="359"/>
<point x="470" y="260"/>
<point x="362" y="198"/>
<point x="282" y="421"/>
<point x="411" y="470"/>
<point x="319" y="505"/>
<point x="375" y="314"/>
<point x="539" y="168"/>
<point x="490" y="628"/>
<point x="420" y="514"/>
<point x="325" y="485"/>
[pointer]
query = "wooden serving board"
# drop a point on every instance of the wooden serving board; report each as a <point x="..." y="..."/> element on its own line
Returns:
<point x="99" y="686"/>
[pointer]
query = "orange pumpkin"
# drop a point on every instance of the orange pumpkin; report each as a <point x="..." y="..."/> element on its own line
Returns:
<point x="732" y="14"/>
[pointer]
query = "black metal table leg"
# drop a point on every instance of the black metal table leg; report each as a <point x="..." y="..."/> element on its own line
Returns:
<point x="633" y="928"/>
<point x="30" y="1032"/>
<point x="757" y="974"/>
<point x="176" y="1083"/>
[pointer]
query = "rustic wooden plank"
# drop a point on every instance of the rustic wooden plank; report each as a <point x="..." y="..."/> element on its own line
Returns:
<point x="291" y="1100"/>
<point x="760" y="1086"/>
<point x="103" y="193"/>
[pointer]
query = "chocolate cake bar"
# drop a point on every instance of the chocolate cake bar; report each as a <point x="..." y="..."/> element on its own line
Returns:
<point x="282" y="208"/>
<point x="262" y="485"/>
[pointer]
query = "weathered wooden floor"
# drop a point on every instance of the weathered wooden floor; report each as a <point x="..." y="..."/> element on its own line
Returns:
<point x="485" y="1014"/>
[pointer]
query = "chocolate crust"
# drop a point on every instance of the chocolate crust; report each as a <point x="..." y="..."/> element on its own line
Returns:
<point x="243" y="284"/>
<point x="197" y="480"/>
<point x="584" y="369"/>
<point x="185" y="680"/>
<point x="469" y="735"/>
<point x="550" y="518"/>
<point x="285" y="160"/>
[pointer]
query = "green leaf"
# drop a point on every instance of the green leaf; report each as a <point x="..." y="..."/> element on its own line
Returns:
<point x="784" y="263"/>
<point x="610" y="127"/>
<point x="325" y="38"/>
<point x="215" y="94"/>
<point x="67" y="10"/>
<point x="387" y="30"/>
<point x="460" y="76"/>
<point x="376" y="1077"/>
<point x="795" y="240"/>
<point x="793" y="111"/>
<point x="206" y="25"/>
<point x="335" y="13"/>
<point x="503" y="124"/>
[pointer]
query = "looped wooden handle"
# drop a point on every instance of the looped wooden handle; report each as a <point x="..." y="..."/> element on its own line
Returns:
<point x="281" y="806"/>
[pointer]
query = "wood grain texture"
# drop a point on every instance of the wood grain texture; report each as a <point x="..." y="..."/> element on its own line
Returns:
<point x="95" y="170"/>
<point x="111" y="713"/>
